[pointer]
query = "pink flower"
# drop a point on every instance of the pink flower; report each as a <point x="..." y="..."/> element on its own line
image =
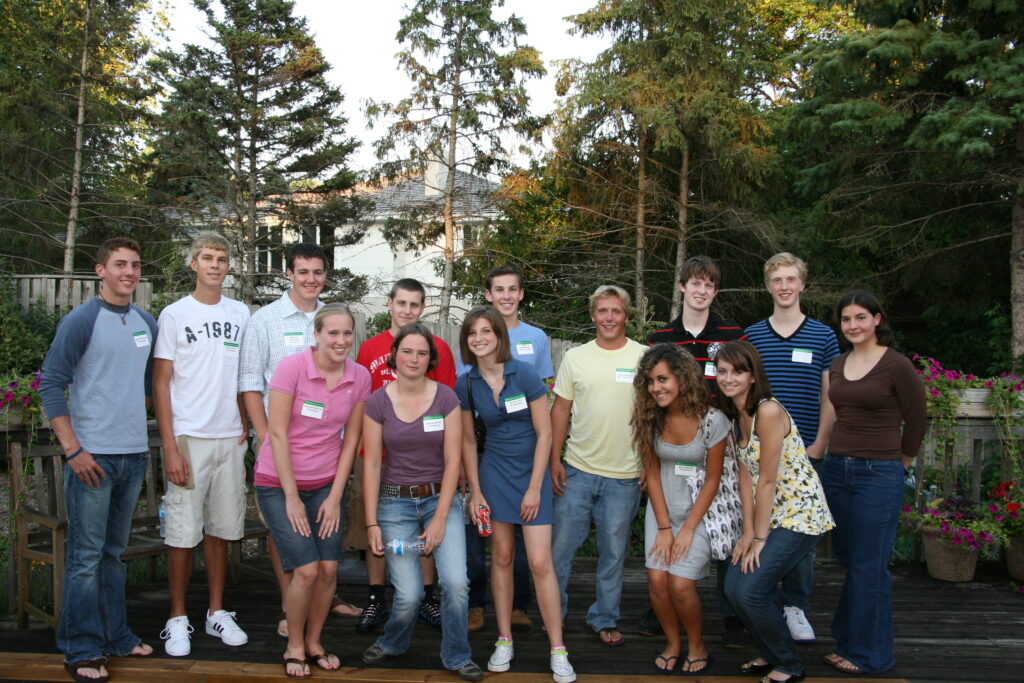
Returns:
<point x="8" y="397"/>
<point x="27" y="400"/>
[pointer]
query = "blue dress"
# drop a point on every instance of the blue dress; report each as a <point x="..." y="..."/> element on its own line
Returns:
<point x="506" y="465"/>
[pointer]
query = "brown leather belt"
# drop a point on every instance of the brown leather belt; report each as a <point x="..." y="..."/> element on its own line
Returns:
<point x="415" y="491"/>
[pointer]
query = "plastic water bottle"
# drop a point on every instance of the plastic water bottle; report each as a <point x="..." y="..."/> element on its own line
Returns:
<point x="162" y="514"/>
<point x="409" y="546"/>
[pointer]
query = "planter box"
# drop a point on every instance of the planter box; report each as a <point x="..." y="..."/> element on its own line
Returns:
<point x="1015" y="558"/>
<point x="948" y="562"/>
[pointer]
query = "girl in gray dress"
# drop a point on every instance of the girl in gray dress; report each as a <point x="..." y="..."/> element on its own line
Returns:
<point x="677" y="434"/>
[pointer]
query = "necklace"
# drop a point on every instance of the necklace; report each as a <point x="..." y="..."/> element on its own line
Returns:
<point x="127" y="310"/>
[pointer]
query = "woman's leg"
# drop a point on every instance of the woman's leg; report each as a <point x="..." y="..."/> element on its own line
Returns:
<point x="661" y="602"/>
<point x="538" y="551"/>
<point x="296" y="608"/>
<point x="502" y="556"/>
<point x="399" y="518"/>
<point x="690" y="613"/>
<point x="320" y="605"/>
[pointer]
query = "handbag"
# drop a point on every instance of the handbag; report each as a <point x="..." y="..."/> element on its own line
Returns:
<point x="724" y="519"/>
<point x="479" y="428"/>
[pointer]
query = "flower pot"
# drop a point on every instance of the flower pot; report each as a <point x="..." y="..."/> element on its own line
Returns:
<point x="946" y="561"/>
<point x="13" y="418"/>
<point x="973" y="402"/>
<point x="1015" y="558"/>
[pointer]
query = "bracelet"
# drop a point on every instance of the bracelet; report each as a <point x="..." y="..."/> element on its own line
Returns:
<point x="369" y="525"/>
<point x="760" y="539"/>
<point x="75" y="454"/>
<point x="664" y="528"/>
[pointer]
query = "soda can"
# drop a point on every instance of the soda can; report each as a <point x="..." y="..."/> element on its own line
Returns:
<point x="483" y="526"/>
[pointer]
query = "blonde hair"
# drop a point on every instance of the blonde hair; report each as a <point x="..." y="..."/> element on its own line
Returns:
<point x="209" y="240"/>
<point x="781" y="260"/>
<point x="328" y="310"/>
<point x="607" y="291"/>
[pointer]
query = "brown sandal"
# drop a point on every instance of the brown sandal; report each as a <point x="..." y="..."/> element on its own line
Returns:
<point x="841" y="664"/>
<point x="325" y="656"/>
<point x="293" y="660"/>
<point x="73" y="667"/>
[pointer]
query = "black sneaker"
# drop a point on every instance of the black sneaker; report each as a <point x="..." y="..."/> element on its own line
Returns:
<point x="430" y="613"/>
<point x="735" y="635"/>
<point x="375" y="612"/>
<point x="374" y="654"/>
<point x="649" y="625"/>
<point x="470" y="672"/>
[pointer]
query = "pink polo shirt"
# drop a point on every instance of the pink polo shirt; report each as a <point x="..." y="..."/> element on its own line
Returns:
<point x="317" y="422"/>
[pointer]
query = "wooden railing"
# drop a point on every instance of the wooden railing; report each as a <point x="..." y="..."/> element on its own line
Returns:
<point x="60" y="293"/>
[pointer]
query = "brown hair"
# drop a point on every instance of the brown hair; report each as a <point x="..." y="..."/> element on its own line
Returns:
<point x="702" y="267"/>
<point x="742" y="356"/>
<point x="491" y="315"/>
<point x="865" y="299"/>
<point x="113" y="244"/>
<point x="410" y="329"/>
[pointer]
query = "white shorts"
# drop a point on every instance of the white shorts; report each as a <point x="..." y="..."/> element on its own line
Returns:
<point x="216" y="506"/>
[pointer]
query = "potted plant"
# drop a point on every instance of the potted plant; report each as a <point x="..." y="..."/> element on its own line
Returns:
<point x="954" y="532"/>
<point x="1007" y="509"/>
<point x="20" y="405"/>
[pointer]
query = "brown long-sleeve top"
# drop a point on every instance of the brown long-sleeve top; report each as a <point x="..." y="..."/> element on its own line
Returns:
<point x="870" y="410"/>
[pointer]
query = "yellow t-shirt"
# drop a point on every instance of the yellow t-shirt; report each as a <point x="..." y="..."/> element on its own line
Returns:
<point x="599" y="382"/>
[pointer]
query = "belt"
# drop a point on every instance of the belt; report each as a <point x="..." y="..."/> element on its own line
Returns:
<point x="415" y="491"/>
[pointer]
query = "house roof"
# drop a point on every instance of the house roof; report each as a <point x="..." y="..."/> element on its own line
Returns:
<point x="474" y="196"/>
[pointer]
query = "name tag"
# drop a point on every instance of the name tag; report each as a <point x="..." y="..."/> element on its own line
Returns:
<point x="683" y="469"/>
<point x="514" y="404"/>
<point x="803" y="356"/>
<point x="313" y="409"/>
<point x="231" y="347"/>
<point x="624" y="375"/>
<point x="141" y="339"/>
<point x="293" y="338"/>
<point x="710" y="370"/>
<point x="433" y="423"/>
<point x="524" y="348"/>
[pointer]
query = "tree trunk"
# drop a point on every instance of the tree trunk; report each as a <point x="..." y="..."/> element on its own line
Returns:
<point x="448" y="210"/>
<point x="683" y="219"/>
<point x="76" y="164"/>
<point x="1017" y="261"/>
<point x="641" y="222"/>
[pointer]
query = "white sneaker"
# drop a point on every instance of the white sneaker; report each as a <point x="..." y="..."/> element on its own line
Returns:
<point x="799" y="627"/>
<point x="561" y="669"/>
<point x="176" y="633"/>
<point x="502" y="657"/>
<point x="222" y="624"/>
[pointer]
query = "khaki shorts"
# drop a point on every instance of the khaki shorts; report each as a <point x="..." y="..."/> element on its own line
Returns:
<point x="216" y="506"/>
<point x="355" y="530"/>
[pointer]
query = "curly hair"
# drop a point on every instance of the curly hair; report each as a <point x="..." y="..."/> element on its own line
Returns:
<point x="648" y="416"/>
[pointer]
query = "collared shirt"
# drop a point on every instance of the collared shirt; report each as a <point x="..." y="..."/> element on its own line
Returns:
<point x="276" y="331"/>
<point x="704" y="346"/>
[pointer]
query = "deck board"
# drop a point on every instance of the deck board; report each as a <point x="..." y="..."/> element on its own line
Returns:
<point x="944" y="632"/>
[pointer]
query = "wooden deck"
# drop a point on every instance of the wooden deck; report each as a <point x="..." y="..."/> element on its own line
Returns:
<point x="944" y="632"/>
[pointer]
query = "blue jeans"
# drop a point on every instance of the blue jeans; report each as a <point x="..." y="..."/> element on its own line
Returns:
<point x="864" y="496"/>
<point x="294" y="549"/>
<point x="755" y="599"/>
<point x="798" y="584"/>
<point x="93" y="621"/>
<point x="611" y="504"/>
<point x="477" y="570"/>
<point x="406" y="518"/>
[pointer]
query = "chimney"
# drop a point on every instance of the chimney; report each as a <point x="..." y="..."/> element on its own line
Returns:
<point x="435" y="177"/>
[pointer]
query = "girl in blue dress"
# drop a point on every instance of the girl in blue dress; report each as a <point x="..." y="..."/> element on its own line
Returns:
<point x="510" y="476"/>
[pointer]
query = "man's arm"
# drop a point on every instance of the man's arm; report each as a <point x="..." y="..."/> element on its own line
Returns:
<point x="826" y="420"/>
<point x="560" y="413"/>
<point x="175" y="467"/>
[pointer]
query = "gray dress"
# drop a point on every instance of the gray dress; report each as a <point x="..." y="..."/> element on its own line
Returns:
<point x="695" y="565"/>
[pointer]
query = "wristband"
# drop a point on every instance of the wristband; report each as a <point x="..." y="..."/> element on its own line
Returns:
<point x="760" y="539"/>
<point x="369" y="525"/>
<point x="75" y="454"/>
<point x="664" y="528"/>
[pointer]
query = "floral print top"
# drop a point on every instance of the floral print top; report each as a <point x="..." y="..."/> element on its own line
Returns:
<point x="799" y="497"/>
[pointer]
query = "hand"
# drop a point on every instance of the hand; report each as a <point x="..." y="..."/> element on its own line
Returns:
<point x="87" y="469"/>
<point x="752" y="559"/>
<point x="558" y="478"/>
<point x="742" y="547"/>
<point x="907" y="462"/>
<point x="296" y="515"/>
<point x="244" y="437"/>
<point x="681" y="545"/>
<point x="530" y="506"/>
<point x="476" y="500"/>
<point x="373" y="541"/>
<point x="433" y="535"/>
<point x="329" y="517"/>
<point x="643" y="480"/>
<point x="816" y="451"/>
<point x="661" y="549"/>
<point x="175" y="467"/>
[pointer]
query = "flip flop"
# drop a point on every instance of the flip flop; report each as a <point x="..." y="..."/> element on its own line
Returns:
<point x="72" y="668"/>
<point x="295" y="660"/>
<point x="325" y="656"/>
<point x="841" y="664"/>
<point x="670" y="664"/>
<point x="751" y="668"/>
<point x="282" y="620"/>
<point x="610" y="642"/>
<point x="791" y="679"/>
<point x="708" y="661"/>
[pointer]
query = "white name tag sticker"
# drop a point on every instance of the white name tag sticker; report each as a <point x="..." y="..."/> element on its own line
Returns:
<point x="624" y="375"/>
<point x="683" y="469"/>
<point x="514" y="404"/>
<point x="803" y="356"/>
<point x="709" y="369"/>
<point x="524" y="348"/>
<point x="141" y="339"/>
<point x="293" y="338"/>
<point x="313" y="409"/>
<point x="231" y="347"/>
<point x="433" y="423"/>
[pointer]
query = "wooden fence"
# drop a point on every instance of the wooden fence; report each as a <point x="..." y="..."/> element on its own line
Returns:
<point x="63" y="292"/>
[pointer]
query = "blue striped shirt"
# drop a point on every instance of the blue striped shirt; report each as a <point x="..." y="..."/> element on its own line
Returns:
<point x="794" y="366"/>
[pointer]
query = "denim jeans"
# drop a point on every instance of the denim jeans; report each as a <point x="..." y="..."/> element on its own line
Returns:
<point x="93" y="621"/>
<point x="477" y="570"/>
<point x="864" y="496"/>
<point x="294" y="549"/>
<point x="407" y="518"/>
<point x="611" y="504"/>
<point x="798" y="584"/>
<point x="755" y="599"/>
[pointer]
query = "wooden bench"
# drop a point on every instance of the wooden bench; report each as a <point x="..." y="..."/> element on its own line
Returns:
<point x="41" y="521"/>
